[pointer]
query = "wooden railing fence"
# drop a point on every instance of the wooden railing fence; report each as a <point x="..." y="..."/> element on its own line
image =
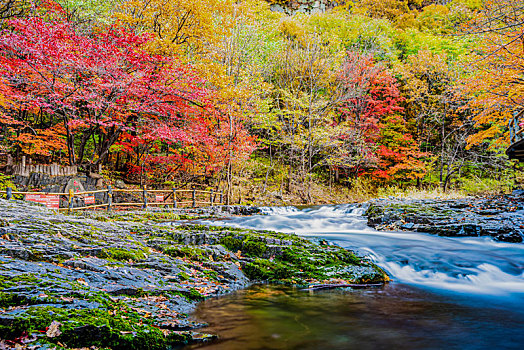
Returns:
<point x="149" y="198"/>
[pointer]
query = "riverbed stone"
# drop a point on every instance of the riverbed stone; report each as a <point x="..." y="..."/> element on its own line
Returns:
<point x="500" y="217"/>
<point x="145" y="269"/>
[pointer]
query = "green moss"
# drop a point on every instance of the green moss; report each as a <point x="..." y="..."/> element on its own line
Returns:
<point x="190" y="252"/>
<point x="115" y="327"/>
<point x="211" y="274"/>
<point x="265" y="270"/>
<point x="195" y="295"/>
<point x="6" y="282"/>
<point x="206" y="228"/>
<point x="253" y="247"/>
<point x="299" y="263"/>
<point x="11" y="299"/>
<point x="190" y="295"/>
<point x="249" y="245"/>
<point x="119" y="254"/>
<point x="231" y="243"/>
<point x="183" y="276"/>
<point x="145" y="216"/>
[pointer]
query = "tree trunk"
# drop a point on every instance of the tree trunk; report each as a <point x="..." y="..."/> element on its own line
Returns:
<point x="109" y="140"/>
<point x="83" y="143"/>
<point x="70" y="141"/>
<point x="229" y="162"/>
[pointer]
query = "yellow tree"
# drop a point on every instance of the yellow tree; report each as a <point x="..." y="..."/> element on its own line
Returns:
<point x="390" y="9"/>
<point x="218" y="37"/>
<point x="234" y="67"/>
<point x="179" y="23"/>
<point x="12" y="8"/>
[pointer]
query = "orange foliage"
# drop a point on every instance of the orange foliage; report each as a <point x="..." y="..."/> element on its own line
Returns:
<point x="496" y="85"/>
<point x="44" y="143"/>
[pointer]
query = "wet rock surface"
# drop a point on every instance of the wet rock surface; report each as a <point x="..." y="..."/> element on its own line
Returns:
<point x="128" y="280"/>
<point x="500" y="217"/>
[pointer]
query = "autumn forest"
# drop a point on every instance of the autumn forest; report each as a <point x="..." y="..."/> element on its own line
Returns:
<point x="266" y="99"/>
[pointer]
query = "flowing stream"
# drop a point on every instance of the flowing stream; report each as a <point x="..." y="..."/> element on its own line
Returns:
<point x="447" y="293"/>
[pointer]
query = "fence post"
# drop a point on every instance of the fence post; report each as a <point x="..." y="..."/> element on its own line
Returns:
<point x="211" y="199"/>
<point x="221" y="197"/>
<point x="70" y="200"/>
<point x="174" y="198"/>
<point x="8" y="193"/>
<point x="194" y="198"/>
<point x="144" y="194"/>
<point x="109" y="198"/>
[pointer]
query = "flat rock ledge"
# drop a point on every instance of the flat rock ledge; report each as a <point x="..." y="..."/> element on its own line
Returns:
<point x="500" y="217"/>
<point x="129" y="280"/>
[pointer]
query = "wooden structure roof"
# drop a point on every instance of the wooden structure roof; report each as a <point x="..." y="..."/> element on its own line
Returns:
<point x="516" y="149"/>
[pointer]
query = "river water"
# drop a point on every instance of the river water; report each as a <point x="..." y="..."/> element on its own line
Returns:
<point x="446" y="293"/>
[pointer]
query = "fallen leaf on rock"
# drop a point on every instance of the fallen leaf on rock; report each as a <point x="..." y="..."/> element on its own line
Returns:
<point x="166" y="332"/>
<point x="54" y="329"/>
<point x="82" y="281"/>
<point x="162" y="306"/>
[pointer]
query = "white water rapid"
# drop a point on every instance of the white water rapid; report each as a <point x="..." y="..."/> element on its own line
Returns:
<point x="463" y="266"/>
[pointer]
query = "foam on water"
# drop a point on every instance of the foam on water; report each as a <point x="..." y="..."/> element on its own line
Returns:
<point x="468" y="266"/>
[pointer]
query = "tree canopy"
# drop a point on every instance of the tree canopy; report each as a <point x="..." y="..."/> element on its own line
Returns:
<point x="397" y="92"/>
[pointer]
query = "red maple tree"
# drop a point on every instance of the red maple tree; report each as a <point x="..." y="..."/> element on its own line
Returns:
<point x="98" y="85"/>
<point x="370" y="100"/>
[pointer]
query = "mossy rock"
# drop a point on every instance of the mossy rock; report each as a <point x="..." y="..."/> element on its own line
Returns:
<point x="117" y="329"/>
<point x="184" y="251"/>
<point x="296" y="264"/>
<point x="120" y="254"/>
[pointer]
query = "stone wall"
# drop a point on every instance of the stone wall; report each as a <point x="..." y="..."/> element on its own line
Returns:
<point x="61" y="184"/>
<point x="293" y="7"/>
<point x="55" y="184"/>
<point x="54" y="178"/>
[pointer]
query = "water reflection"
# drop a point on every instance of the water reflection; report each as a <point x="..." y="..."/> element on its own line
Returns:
<point x="392" y="317"/>
<point x="472" y="265"/>
<point x="449" y="293"/>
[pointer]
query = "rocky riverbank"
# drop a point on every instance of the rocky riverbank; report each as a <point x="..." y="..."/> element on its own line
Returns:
<point x="129" y="280"/>
<point x="501" y="217"/>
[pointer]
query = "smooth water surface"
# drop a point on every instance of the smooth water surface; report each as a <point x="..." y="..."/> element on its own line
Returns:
<point x="447" y="293"/>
